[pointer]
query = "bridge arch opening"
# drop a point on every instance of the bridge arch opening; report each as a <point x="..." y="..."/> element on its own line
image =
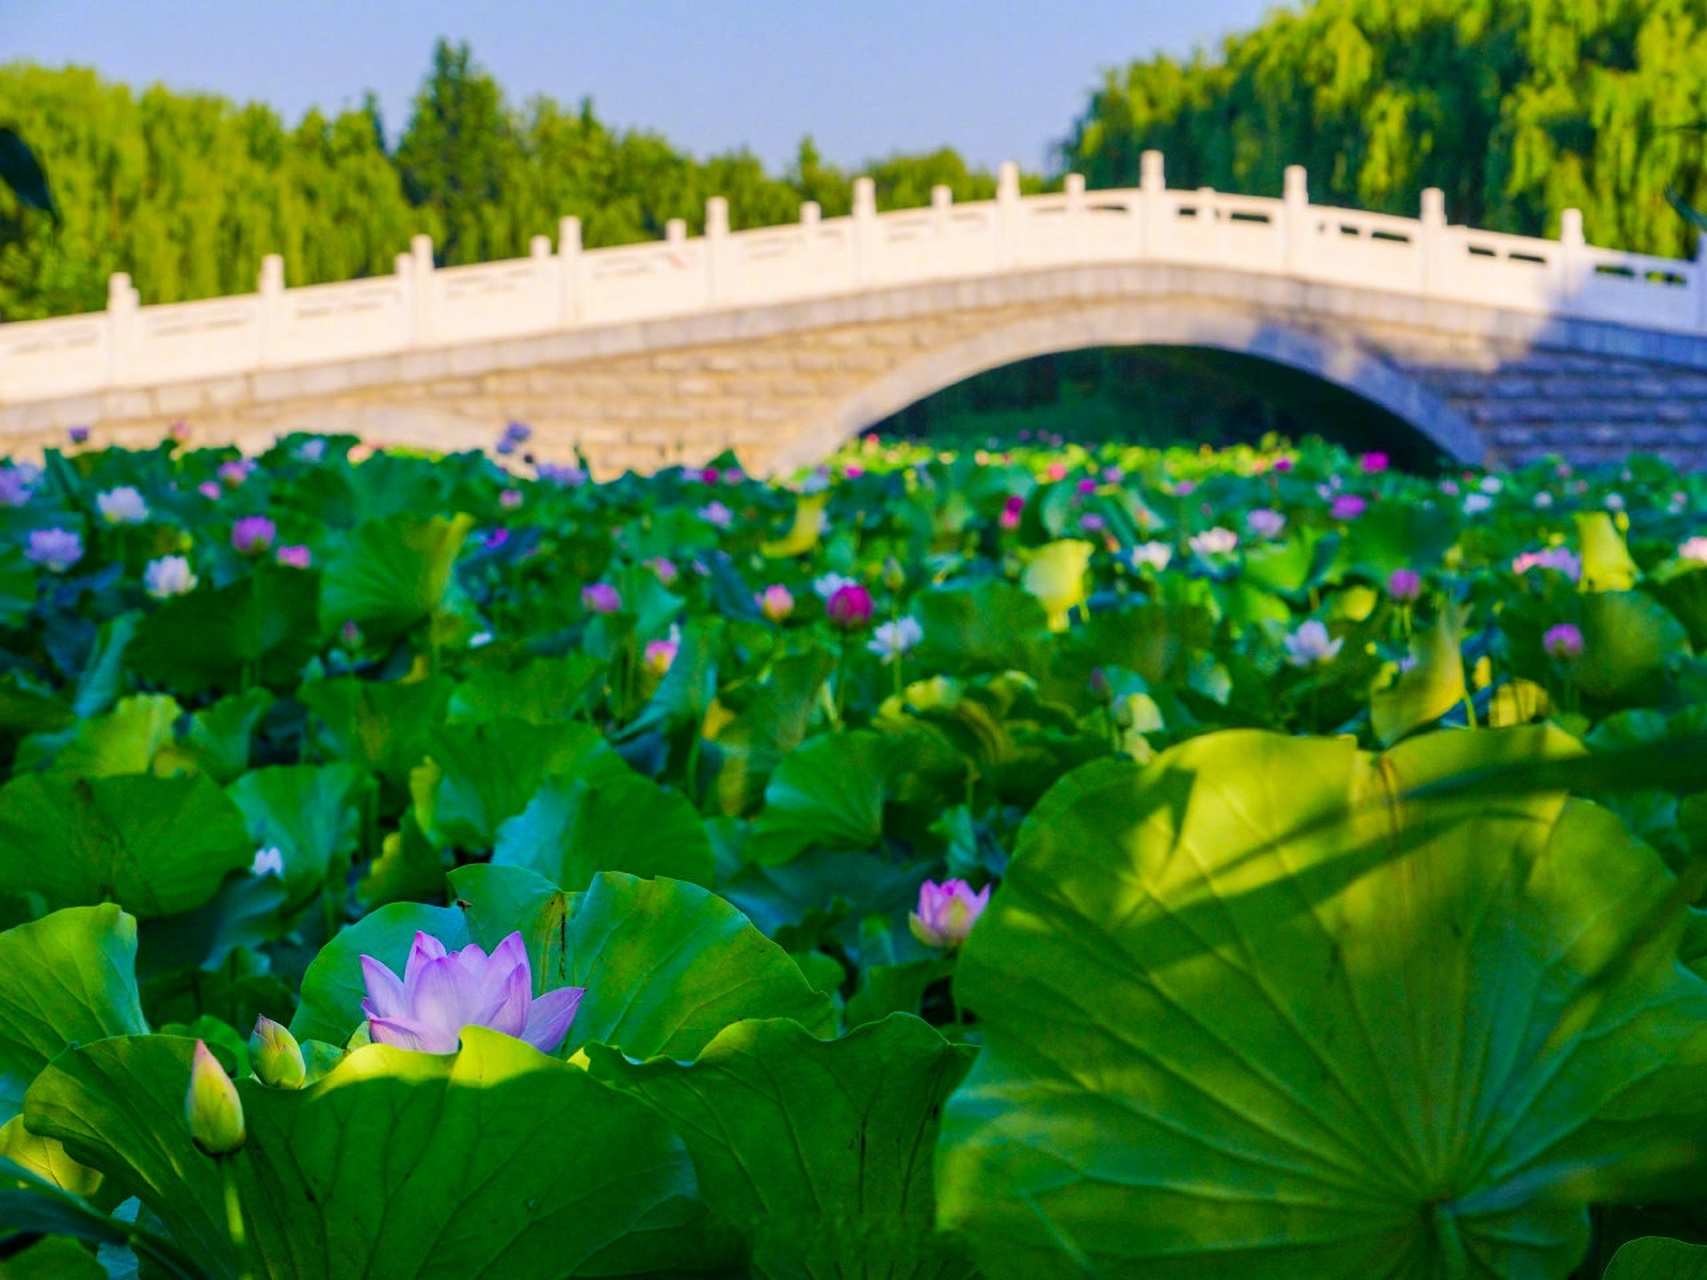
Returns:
<point x="1308" y="368"/>
<point x="1158" y="396"/>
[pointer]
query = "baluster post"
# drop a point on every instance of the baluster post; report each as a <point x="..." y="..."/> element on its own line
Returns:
<point x="424" y="318"/>
<point x="122" y="303"/>
<point x="865" y="230"/>
<point x="1572" y="271"/>
<point x="1431" y="241"/>
<point x="270" y="286"/>
<point x="1154" y="223"/>
<point x="1295" y="239"/>
<point x="717" y="248"/>
<point x="1009" y="226"/>
<point x="571" y="306"/>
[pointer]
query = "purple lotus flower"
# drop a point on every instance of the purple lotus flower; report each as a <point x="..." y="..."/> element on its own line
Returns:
<point x="56" y="550"/>
<point x="79" y="435"/>
<point x="1265" y="522"/>
<point x="515" y="435"/>
<point x="1563" y="642"/>
<point x="1347" y="506"/>
<point x="1405" y="586"/>
<point x="600" y="597"/>
<point x="252" y="535"/>
<point x="947" y="912"/>
<point x="565" y="474"/>
<point x="1373" y="463"/>
<point x="440" y="993"/>
<point x="17" y="483"/>
<point x="295" y="557"/>
<point x="210" y="490"/>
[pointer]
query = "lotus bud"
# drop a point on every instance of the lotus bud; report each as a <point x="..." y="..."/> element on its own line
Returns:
<point x="849" y="607"/>
<point x="894" y="576"/>
<point x="276" y="1056"/>
<point x="947" y="912"/>
<point x="212" y="1108"/>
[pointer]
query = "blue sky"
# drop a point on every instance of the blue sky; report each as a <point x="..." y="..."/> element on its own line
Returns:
<point x="997" y="79"/>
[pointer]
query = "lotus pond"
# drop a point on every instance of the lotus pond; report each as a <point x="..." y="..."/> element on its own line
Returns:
<point x="1010" y="863"/>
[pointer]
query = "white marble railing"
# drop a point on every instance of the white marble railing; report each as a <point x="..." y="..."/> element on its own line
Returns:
<point x="131" y="346"/>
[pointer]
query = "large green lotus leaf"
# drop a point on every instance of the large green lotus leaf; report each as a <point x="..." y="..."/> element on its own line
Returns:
<point x="382" y="727"/>
<point x="542" y="692"/>
<point x="573" y="828"/>
<point x="38" y="1205"/>
<point x="263" y="625"/>
<point x="1395" y="534"/>
<point x="773" y="724"/>
<point x="123" y="740"/>
<point x="392" y="574"/>
<point x="1683" y="589"/>
<point x="992" y="626"/>
<point x="312" y="814"/>
<point x="494" y="1162"/>
<point x="1658" y="1258"/>
<point x="218" y="740"/>
<point x="1628" y="638"/>
<point x="666" y="965"/>
<point x="773" y="1118"/>
<point x="53" y="1258"/>
<point x="477" y="776"/>
<point x="69" y="978"/>
<point x="1249" y="1012"/>
<point x="828" y="792"/>
<point x="1432" y="687"/>
<point x="156" y="846"/>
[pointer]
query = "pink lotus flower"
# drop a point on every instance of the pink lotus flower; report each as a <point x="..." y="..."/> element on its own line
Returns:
<point x="849" y="607"/>
<point x="659" y="654"/>
<point x="665" y="569"/>
<point x="853" y="473"/>
<point x="1694" y="549"/>
<point x="1405" y="586"/>
<point x="252" y="535"/>
<point x="947" y="912"/>
<point x="234" y="473"/>
<point x="1562" y="559"/>
<point x="1057" y="470"/>
<point x="295" y="557"/>
<point x="1347" y="506"/>
<point x="210" y="490"/>
<point x="1283" y="464"/>
<point x="600" y="597"/>
<point x="1373" y="463"/>
<point x="510" y="499"/>
<point x="776" y="602"/>
<point x="1563" y="642"/>
<point x="440" y="993"/>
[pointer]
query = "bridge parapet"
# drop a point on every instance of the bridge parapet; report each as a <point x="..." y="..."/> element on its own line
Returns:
<point x="564" y="288"/>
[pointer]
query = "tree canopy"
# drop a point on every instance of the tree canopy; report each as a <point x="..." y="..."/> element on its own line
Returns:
<point x="1517" y="109"/>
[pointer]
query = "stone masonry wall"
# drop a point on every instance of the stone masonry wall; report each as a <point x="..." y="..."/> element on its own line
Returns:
<point x="780" y="384"/>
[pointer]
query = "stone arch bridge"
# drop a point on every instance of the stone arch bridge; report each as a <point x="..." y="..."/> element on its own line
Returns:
<point x="781" y="342"/>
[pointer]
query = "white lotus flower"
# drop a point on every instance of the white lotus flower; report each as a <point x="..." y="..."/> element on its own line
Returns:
<point x="1310" y="645"/>
<point x="168" y="576"/>
<point x="893" y="639"/>
<point x="124" y="505"/>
